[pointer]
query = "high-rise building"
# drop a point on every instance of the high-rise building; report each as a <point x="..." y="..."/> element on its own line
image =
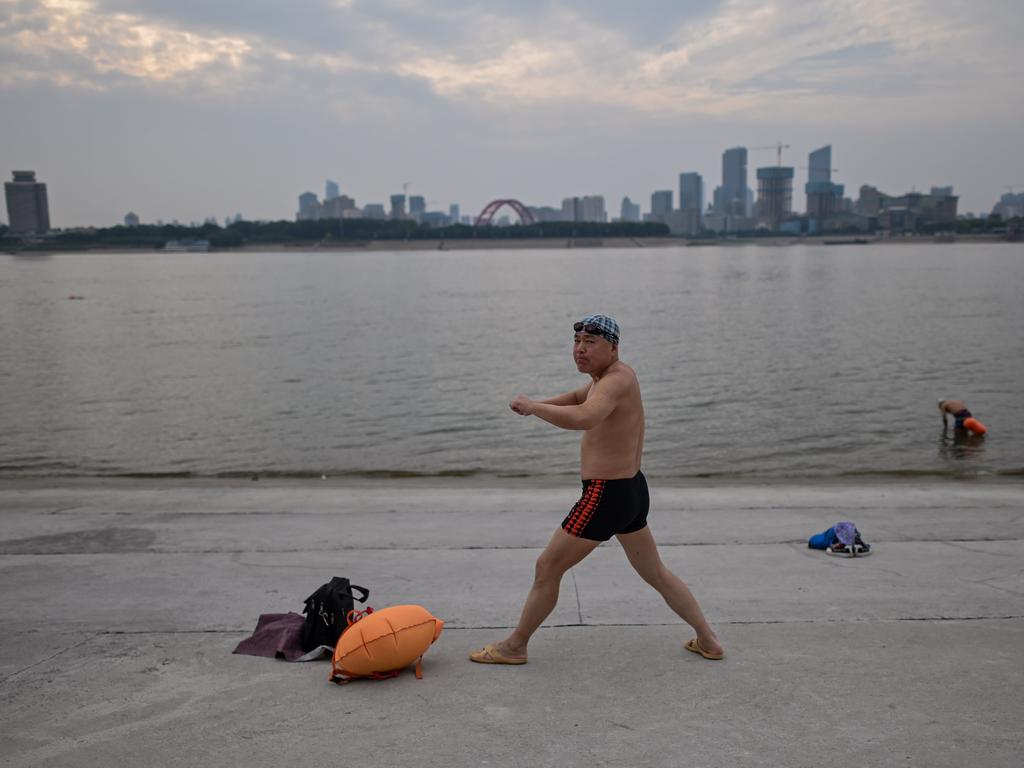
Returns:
<point x="691" y="193"/>
<point x="374" y="211"/>
<point x="433" y="218"/>
<point x="337" y="207"/>
<point x="586" y="208"/>
<point x="819" y="164"/>
<point x="453" y="213"/>
<point x="824" y="199"/>
<point x="131" y="219"/>
<point x="417" y="205"/>
<point x="28" y="210"/>
<point x="309" y="207"/>
<point x="1010" y="206"/>
<point x="592" y="208"/>
<point x="398" y="206"/>
<point x="542" y="213"/>
<point x="630" y="211"/>
<point x="732" y="195"/>
<point x="331" y="190"/>
<point x="570" y="209"/>
<point x="683" y="221"/>
<point x="774" y="195"/>
<point x="661" y="204"/>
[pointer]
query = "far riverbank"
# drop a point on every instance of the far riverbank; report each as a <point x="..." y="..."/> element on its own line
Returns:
<point x="534" y="243"/>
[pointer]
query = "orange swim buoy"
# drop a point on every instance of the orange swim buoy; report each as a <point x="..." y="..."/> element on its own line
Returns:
<point x="384" y="642"/>
<point x="975" y="426"/>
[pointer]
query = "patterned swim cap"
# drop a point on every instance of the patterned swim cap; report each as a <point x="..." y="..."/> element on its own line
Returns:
<point x="599" y="325"/>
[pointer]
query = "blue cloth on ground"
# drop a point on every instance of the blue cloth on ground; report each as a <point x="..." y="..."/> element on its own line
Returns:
<point x="822" y="540"/>
<point x="843" y="537"/>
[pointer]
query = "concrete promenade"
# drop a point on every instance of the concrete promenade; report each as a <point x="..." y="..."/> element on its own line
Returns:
<point x="123" y="599"/>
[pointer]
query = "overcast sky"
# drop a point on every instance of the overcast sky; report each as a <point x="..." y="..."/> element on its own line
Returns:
<point x="190" y="108"/>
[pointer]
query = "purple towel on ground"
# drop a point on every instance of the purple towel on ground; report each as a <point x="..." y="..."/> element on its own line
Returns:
<point x="279" y="636"/>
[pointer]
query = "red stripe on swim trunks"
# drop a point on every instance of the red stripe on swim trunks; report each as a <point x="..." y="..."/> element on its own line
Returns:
<point x="585" y="507"/>
<point x="577" y="510"/>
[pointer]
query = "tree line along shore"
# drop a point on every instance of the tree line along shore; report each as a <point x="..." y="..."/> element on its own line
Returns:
<point x="355" y="233"/>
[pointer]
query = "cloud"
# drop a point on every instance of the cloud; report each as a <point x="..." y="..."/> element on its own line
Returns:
<point x="66" y="42"/>
<point x="509" y="96"/>
<point x="660" y="57"/>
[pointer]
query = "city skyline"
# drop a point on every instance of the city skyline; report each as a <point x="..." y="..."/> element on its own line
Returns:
<point x="181" y="111"/>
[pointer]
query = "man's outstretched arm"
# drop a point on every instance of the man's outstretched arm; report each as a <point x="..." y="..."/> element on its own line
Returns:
<point x="576" y="397"/>
<point x="596" y="408"/>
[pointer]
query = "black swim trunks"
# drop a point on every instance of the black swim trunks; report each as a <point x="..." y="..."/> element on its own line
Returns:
<point x="959" y="417"/>
<point x="608" y="507"/>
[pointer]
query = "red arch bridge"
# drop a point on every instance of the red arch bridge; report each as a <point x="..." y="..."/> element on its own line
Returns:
<point x="525" y="217"/>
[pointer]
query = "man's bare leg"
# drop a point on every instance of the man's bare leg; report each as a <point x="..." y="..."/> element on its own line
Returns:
<point x="561" y="554"/>
<point x="643" y="556"/>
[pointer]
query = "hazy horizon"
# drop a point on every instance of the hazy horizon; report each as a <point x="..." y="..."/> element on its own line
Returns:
<point x="186" y="110"/>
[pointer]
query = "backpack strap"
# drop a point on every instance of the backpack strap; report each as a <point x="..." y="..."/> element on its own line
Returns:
<point x="365" y="592"/>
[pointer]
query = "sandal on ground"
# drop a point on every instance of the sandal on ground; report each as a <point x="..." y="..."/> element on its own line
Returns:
<point x="695" y="647"/>
<point x="491" y="655"/>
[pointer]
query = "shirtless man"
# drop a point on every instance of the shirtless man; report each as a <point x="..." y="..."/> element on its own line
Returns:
<point x="955" y="408"/>
<point x="610" y="413"/>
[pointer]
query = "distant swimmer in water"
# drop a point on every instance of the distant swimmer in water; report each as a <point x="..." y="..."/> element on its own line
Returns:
<point x="962" y="418"/>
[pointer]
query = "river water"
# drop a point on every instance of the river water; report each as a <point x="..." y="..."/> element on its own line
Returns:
<point x="756" y="361"/>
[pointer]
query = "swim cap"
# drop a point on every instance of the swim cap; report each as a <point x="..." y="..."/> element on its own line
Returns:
<point x="599" y="325"/>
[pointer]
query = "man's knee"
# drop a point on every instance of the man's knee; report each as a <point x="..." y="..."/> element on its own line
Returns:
<point x="655" y="574"/>
<point x="549" y="567"/>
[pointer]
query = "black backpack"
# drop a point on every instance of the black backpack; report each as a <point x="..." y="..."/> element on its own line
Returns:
<point x="327" y="612"/>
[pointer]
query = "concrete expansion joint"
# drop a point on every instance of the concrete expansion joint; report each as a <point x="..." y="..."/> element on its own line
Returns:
<point x="584" y="624"/>
<point x="796" y="543"/>
<point x="51" y="657"/>
<point x="576" y="591"/>
<point x="873" y="620"/>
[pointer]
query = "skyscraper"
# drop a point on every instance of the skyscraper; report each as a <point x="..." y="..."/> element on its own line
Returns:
<point x="28" y="209"/>
<point x="774" y="195"/>
<point x="586" y="208"/>
<point x="661" y="204"/>
<point x="309" y="207"/>
<point x="453" y="213"/>
<point x="733" y="192"/>
<point x="819" y="164"/>
<point x="823" y="197"/>
<point x="398" y="206"/>
<point x="630" y="211"/>
<point x="331" y="190"/>
<point x="691" y="193"/>
<point x="592" y="208"/>
<point x="417" y="205"/>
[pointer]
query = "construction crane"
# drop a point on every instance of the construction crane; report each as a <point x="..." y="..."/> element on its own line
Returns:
<point x="778" y="148"/>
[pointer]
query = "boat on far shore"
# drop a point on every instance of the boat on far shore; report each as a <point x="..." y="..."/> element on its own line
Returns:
<point x="847" y="241"/>
<point x="187" y="246"/>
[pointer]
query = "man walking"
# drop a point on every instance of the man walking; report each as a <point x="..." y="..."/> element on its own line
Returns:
<point x="610" y="413"/>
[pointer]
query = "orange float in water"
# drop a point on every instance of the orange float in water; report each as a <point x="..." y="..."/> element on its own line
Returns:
<point x="975" y="426"/>
<point x="384" y="642"/>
